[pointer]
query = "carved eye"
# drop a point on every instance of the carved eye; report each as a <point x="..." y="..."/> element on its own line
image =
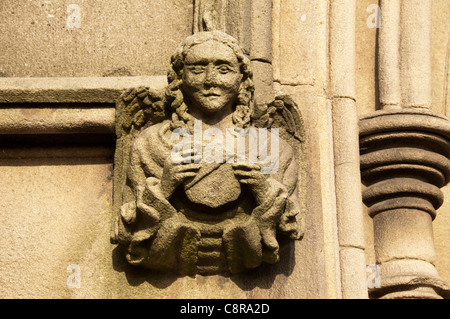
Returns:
<point x="197" y="69"/>
<point x="224" y="69"/>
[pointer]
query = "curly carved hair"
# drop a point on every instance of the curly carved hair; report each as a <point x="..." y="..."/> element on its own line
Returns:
<point x="174" y="96"/>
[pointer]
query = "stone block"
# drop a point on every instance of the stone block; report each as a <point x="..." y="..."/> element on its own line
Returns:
<point x="54" y="213"/>
<point x="42" y="38"/>
<point x="342" y="48"/>
<point x="261" y="30"/>
<point x="263" y="79"/>
<point x="355" y="281"/>
<point x="295" y="50"/>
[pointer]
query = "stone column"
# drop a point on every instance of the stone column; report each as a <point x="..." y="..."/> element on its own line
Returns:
<point x="346" y="156"/>
<point x="405" y="151"/>
<point x="388" y="55"/>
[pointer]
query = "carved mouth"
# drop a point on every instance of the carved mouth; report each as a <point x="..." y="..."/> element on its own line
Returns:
<point x="209" y="94"/>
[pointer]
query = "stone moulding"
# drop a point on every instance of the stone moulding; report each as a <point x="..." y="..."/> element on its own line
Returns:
<point x="404" y="163"/>
<point x="64" y="105"/>
<point x="71" y="90"/>
<point x="405" y="153"/>
<point x="46" y="119"/>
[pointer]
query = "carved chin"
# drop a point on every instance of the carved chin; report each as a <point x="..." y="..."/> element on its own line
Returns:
<point x="212" y="104"/>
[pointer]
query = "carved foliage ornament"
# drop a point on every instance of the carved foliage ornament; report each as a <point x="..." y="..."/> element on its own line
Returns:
<point x="205" y="181"/>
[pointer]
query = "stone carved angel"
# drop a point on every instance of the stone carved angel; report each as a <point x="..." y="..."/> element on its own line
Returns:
<point x="196" y="216"/>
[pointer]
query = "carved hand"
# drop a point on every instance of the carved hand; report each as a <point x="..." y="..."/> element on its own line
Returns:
<point x="250" y="174"/>
<point x="175" y="174"/>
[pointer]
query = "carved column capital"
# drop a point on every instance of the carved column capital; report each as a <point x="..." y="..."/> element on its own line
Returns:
<point x="404" y="154"/>
<point x="404" y="163"/>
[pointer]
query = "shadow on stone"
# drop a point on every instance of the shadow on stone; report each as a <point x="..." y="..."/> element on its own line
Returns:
<point x="262" y="277"/>
<point x="265" y="275"/>
<point x="136" y="275"/>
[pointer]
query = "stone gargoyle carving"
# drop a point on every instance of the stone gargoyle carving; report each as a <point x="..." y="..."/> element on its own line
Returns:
<point x="206" y="182"/>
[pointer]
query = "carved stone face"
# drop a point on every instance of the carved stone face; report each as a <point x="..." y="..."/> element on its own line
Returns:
<point x="211" y="78"/>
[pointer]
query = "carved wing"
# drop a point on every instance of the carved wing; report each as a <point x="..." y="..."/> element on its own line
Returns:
<point x="283" y="113"/>
<point x="136" y="109"/>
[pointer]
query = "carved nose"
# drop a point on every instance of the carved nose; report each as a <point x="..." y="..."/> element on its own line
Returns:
<point x="210" y="77"/>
